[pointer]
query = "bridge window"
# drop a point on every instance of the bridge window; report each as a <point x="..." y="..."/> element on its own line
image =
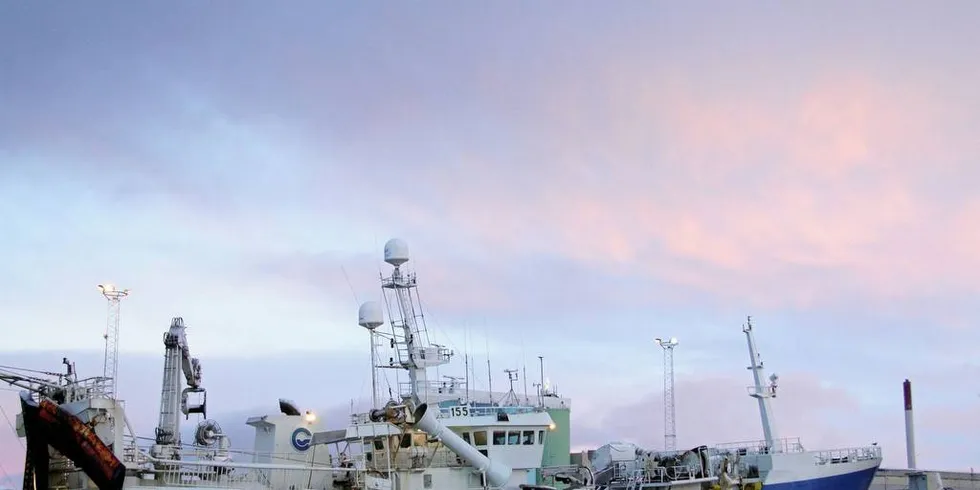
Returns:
<point x="499" y="438"/>
<point x="466" y="437"/>
<point x="527" y="438"/>
<point x="540" y="437"/>
<point x="513" y="438"/>
<point x="480" y="438"/>
<point x="406" y="441"/>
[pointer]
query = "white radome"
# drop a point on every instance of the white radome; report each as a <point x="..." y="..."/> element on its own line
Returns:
<point x="396" y="252"/>
<point x="370" y="315"/>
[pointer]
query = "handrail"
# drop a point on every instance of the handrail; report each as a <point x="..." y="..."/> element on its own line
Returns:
<point x="786" y="445"/>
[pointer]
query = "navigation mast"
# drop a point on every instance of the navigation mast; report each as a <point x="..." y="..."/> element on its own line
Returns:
<point x="370" y="316"/>
<point x="410" y="338"/>
<point x="760" y="391"/>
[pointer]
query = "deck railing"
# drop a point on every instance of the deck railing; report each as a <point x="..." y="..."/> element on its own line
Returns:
<point x="658" y="474"/>
<point x="221" y="475"/>
<point x="785" y="445"/>
<point x="834" y="456"/>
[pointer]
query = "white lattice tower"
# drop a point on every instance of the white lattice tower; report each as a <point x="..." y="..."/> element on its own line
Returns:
<point x="670" y="412"/>
<point x="110" y="367"/>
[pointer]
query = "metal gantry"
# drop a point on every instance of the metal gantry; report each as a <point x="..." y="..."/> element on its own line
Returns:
<point x="670" y="413"/>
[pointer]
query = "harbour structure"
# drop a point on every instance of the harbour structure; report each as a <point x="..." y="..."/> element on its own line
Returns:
<point x="914" y="478"/>
<point x="670" y="410"/>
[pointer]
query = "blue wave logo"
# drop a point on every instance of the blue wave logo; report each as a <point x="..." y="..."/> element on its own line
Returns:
<point x="301" y="439"/>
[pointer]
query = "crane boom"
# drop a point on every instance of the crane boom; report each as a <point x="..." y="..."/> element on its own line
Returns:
<point x="177" y="361"/>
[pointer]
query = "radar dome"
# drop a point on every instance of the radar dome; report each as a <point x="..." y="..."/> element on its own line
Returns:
<point x="396" y="252"/>
<point x="370" y="316"/>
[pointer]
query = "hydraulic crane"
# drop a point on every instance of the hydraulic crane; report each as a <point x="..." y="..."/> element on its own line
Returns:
<point x="177" y="361"/>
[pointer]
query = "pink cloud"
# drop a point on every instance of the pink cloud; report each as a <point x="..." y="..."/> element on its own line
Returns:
<point x="738" y="194"/>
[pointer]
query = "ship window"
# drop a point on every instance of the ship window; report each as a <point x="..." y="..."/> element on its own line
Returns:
<point x="480" y="438"/>
<point x="406" y="440"/>
<point x="540" y="437"/>
<point x="427" y="480"/>
<point x="499" y="438"/>
<point x="466" y="437"/>
<point x="527" y="438"/>
<point x="513" y="438"/>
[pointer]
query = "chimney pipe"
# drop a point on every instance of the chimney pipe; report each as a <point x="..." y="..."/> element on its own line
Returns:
<point x="909" y="430"/>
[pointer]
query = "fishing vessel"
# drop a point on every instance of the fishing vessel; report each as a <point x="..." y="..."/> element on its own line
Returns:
<point x="429" y="432"/>
<point x="771" y="463"/>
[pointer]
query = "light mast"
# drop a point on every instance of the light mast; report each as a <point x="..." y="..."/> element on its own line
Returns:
<point x="110" y="367"/>
<point x="670" y="412"/>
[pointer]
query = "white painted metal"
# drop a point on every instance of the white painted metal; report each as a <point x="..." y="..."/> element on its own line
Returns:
<point x="371" y="316"/>
<point x="670" y="410"/>
<point x="759" y="391"/>
<point x="497" y="474"/>
<point x="110" y="365"/>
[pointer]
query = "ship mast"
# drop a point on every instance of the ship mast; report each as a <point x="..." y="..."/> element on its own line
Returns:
<point x="760" y="391"/>
<point x="410" y="338"/>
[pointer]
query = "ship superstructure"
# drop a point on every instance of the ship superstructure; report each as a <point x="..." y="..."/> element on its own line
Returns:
<point x="435" y="432"/>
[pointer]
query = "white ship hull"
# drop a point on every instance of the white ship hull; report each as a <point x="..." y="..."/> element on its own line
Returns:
<point x="800" y="471"/>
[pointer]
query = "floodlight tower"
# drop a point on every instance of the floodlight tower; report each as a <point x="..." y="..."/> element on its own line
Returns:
<point x="371" y="316"/>
<point x="111" y="365"/>
<point x="670" y="427"/>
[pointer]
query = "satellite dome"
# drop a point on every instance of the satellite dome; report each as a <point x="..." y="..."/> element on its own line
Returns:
<point x="396" y="252"/>
<point x="370" y="316"/>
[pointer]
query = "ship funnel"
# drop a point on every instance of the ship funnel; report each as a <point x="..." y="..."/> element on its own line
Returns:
<point x="497" y="473"/>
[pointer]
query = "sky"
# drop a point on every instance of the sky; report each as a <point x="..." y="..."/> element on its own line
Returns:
<point x="573" y="181"/>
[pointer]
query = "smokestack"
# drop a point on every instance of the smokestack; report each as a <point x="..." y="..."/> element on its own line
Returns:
<point x="909" y="430"/>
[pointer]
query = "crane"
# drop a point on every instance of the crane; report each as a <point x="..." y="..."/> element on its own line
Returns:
<point x="177" y="361"/>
